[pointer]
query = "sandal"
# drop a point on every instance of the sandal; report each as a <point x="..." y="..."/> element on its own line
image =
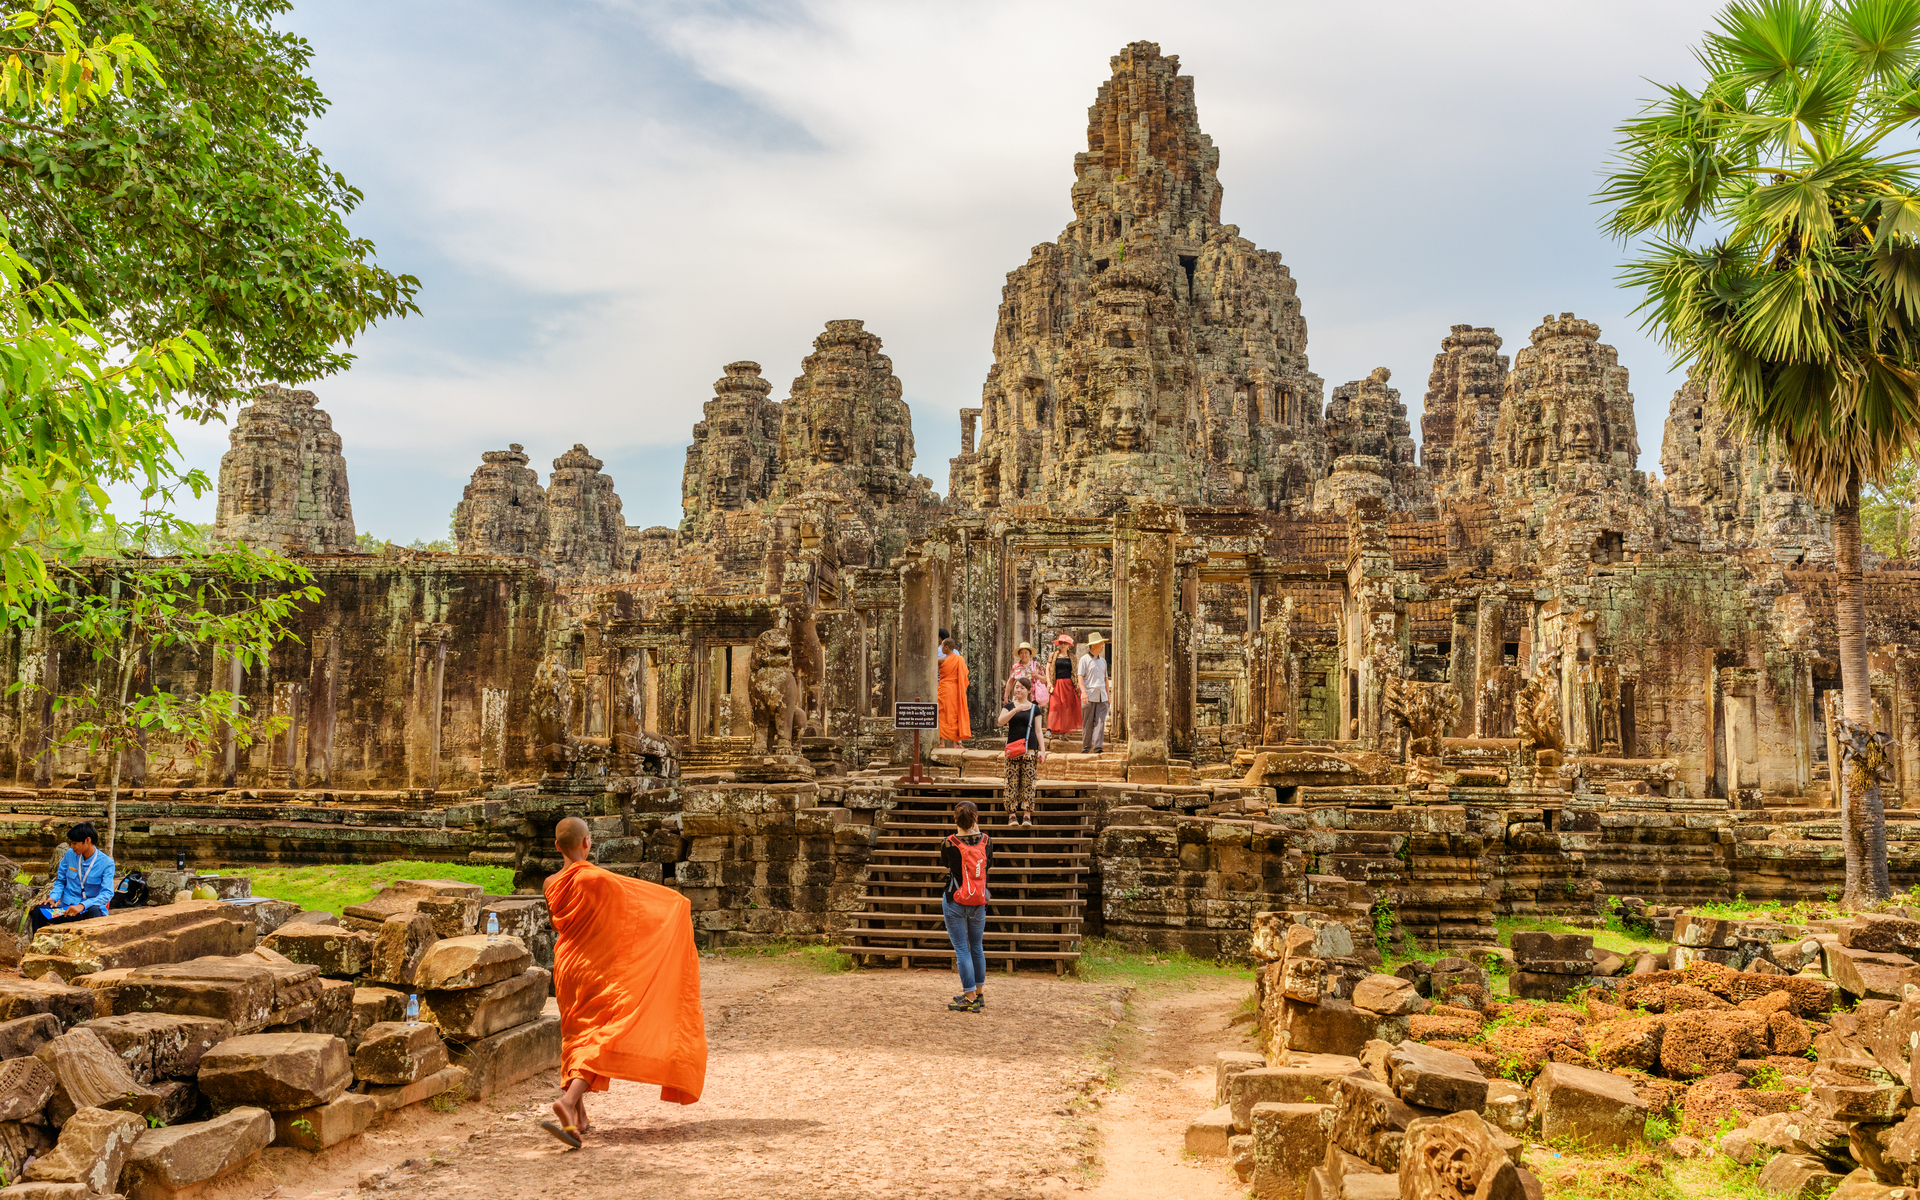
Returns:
<point x="565" y="1133"/>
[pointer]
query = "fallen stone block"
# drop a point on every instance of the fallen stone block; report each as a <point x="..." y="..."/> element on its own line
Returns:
<point x="166" y="1162"/>
<point x="332" y="1012"/>
<point x="1691" y="929"/>
<point x="88" y="1074"/>
<point x="327" y="1125"/>
<point x="1506" y="1106"/>
<point x="267" y="914"/>
<point x="1592" y="1107"/>
<point x="1881" y="934"/>
<point x="445" y="1080"/>
<point x="372" y="1006"/>
<point x="1456" y="1157"/>
<point x="93" y="1147"/>
<point x="1227" y="1064"/>
<point x="1289" y="1141"/>
<point x="21" y="1036"/>
<point x="398" y="947"/>
<point x="1428" y="1077"/>
<point x="1533" y="946"/>
<point x="509" y="1056"/>
<point x="228" y="989"/>
<point x="138" y="937"/>
<point x="339" y="952"/>
<point x="159" y="1045"/>
<point x="1530" y="985"/>
<point x="452" y="916"/>
<point x="276" y="1071"/>
<point x="472" y="1013"/>
<point x="179" y="1099"/>
<point x="1861" y="1184"/>
<point x="524" y="917"/>
<point x="455" y="964"/>
<point x="402" y="898"/>
<point x="1798" y="1176"/>
<point x="1388" y="995"/>
<point x="1208" y="1135"/>
<point x="1369" y="1121"/>
<point x="1333" y="1027"/>
<point x="1866" y="973"/>
<point x="25" y="997"/>
<point x="26" y="1084"/>
<point x="20" y="1141"/>
<point x="1298" y="1079"/>
<point x="1633" y="1043"/>
<point x="1695" y="1044"/>
<point x="396" y="1052"/>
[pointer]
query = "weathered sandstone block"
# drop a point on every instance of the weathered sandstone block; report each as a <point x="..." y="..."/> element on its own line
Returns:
<point x="454" y="964"/>
<point x="166" y="1162"/>
<point x="397" y="1053"/>
<point x="472" y="1013"/>
<point x="276" y="1071"/>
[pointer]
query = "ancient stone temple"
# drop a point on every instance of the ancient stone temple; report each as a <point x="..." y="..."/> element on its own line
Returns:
<point x="1371" y="447"/>
<point x="585" y="532"/>
<point x="1150" y="351"/>
<point x="1511" y="678"/>
<point x="283" y="485"/>
<point x="504" y="509"/>
<point x="1731" y="495"/>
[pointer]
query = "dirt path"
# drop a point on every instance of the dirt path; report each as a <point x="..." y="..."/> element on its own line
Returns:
<point x="857" y="1084"/>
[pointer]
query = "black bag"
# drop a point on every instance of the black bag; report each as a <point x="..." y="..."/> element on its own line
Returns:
<point x="132" y="892"/>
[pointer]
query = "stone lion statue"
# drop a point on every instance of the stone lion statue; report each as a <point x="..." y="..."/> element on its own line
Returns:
<point x="775" y="690"/>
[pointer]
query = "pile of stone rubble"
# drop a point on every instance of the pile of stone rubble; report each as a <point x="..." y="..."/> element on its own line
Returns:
<point x="156" y="1049"/>
<point x="1788" y="1046"/>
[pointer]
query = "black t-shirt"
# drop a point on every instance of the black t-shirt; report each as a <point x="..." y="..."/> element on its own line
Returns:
<point x="1020" y="725"/>
<point x="1063" y="668"/>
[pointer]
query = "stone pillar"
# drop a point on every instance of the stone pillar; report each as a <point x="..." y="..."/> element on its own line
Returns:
<point x="1739" y="688"/>
<point x="840" y="678"/>
<point x="229" y="673"/>
<point x="1461" y="664"/>
<point x="321" y="681"/>
<point x="740" y="688"/>
<point x="1146" y="655"/>
<point x="916" y="661"/>
<point x="283" y="764"/>
<point x="423" y="713"/>
<point x="493" y="734"/>
<point x="1906" y="722"/>
<point x="43" y="756"/>
<point x="1180" y="715"/>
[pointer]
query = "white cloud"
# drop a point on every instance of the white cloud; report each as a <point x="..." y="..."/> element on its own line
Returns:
<point x="609" y="201"/>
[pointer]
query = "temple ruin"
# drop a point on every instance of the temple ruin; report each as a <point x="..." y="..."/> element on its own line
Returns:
<point x="1512" y="673"/>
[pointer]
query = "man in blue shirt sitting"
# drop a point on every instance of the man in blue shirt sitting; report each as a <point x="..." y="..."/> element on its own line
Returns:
<point x="83" y="887"/>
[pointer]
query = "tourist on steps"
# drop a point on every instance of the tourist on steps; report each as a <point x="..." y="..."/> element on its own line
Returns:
<point x="967" y="854"/>
<point x="1063" y="702"/>
<point x="82" y="887"/>
<point x="956" y="725"/>
<point x="1093" y="697"/>
<point x="1026" y="747"/>
<point x="626" y="974"/>
<point x="1029" y="669"/>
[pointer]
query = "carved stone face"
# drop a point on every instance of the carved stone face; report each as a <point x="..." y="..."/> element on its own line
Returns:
<point x="1120" y="423"/>
<point x="829" y="444"/>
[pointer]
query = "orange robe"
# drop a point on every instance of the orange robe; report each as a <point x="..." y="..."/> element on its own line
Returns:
<point x="956" y="725"/>
<point x="627" y="975"/>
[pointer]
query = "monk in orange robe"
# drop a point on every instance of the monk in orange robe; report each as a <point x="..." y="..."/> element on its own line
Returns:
<point x="956" y="725"/>
<point x="627" y="975"/>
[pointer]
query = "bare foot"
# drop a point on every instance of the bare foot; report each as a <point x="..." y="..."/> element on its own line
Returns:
<point x="568" y="1119"/>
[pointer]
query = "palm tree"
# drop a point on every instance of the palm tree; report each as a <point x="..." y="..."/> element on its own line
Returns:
<point x="1775" y="212"/>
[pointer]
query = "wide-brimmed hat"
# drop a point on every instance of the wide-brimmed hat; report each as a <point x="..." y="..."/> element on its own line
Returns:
<point x="1065" y="639"/>
<point x="1096" y="640"/>
<point x="1027" y="646"/>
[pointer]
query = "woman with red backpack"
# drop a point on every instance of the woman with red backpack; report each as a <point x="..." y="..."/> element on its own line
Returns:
<point x="967" y="853"/>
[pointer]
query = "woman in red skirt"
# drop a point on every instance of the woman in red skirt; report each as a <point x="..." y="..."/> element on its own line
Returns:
<point x="1063" y="706"/>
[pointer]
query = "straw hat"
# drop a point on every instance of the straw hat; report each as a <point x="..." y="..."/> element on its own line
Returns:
<point x="1027" y="646"/>
<point x="1096" y="640"/>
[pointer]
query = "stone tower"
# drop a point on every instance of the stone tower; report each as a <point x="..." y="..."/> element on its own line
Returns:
<point x="1461" y="409"/>
<point x="1150" y="351"/>
<point x="1371" y="446"/>
<point x="586" y="532"/>
<point x="735" y="455"/>
<point x="844" y="427"/>
<point x="1731" y="493"/>
<point x="283" y="483"/>
<point x="504" y="509"/>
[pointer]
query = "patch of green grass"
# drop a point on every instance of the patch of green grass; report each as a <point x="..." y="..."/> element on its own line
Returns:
<point x="1105" y="961"/>
<point x="333" y="888"/>
<point x="1613" y="937"/>
<point x="822" y="958"/>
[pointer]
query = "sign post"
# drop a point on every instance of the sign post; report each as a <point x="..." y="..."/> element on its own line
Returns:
<point x="915" y="714"/>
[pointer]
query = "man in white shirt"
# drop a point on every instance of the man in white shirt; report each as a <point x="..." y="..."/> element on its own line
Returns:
<point x="1092" y="673"/>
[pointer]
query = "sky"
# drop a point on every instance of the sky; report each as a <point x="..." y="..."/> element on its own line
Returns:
<point x="607" y="200"/>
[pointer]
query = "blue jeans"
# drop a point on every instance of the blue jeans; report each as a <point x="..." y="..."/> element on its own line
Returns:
<point x="966" y="926"/>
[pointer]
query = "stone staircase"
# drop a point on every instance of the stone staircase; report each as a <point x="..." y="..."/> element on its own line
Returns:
<point x="1039" y="881"/>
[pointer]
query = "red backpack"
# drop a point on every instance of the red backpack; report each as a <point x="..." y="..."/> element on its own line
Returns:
<point x="973" y="870"/>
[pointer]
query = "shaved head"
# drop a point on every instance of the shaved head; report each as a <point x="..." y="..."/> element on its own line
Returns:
<point x="570" y="834"/>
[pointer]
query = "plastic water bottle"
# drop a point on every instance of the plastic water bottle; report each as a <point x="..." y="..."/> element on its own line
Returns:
<point x="493" y="926"/>
<point x="413" y="1009"/>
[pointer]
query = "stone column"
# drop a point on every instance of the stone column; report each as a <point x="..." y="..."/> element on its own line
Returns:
<point x="916" y="662"/>
<point x="1739" y="689"/>
<point x="228" y="673"/>
<point x="1906" y="722"/>
<point x="1180" y="714"/>
<point x="423" y="715"/>
<point x="493" y="734"/>
<point x="840" y="675"/>
<point x="740" y="688"/>
<point x="43" y="742"/>
<point x="1146" y="655"/>
<point x="1461" y="664"/>
<point x="321" y="676"/>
